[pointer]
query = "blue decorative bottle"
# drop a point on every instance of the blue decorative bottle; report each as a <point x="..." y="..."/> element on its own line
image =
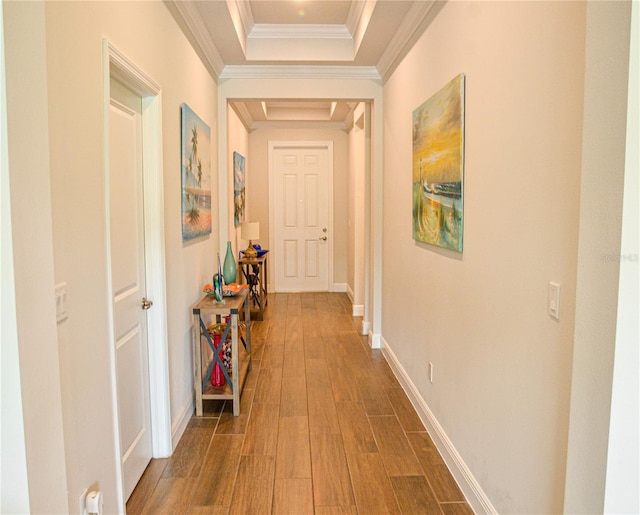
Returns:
<point x="217" y="284"/>
<point x="230" y="269"/>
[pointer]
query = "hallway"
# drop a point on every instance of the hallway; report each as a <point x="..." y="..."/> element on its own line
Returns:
<point x="324" y="428"/>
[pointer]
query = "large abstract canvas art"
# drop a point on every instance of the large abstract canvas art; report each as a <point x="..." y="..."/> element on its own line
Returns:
<point x="196" y="179"/>
<point x="438" y="165"/>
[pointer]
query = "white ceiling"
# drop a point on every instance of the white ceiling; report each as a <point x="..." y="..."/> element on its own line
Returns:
<point x="301" y="37"/>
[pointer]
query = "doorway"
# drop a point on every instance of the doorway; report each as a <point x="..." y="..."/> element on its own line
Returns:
<point x="126" y="78"/>
<point x="309" y="86"/>
<point x="128" y="282"/>
<point x="301" y="214"/>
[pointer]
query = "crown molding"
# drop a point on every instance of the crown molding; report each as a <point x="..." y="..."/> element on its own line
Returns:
<point x="245" y="13"/>
<point x="299" y="31"/>
<point x="243" y="113"/>
<point x="353" y="17"/>
<point x="420" y="15"/>
<point x="241" y="24"/>
<point x="300" y="72"/>
<point x="188" y="17"/>
<point x="358" y="21"/>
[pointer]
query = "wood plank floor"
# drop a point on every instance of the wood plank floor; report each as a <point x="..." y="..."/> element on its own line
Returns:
<point x="324" y="428"/>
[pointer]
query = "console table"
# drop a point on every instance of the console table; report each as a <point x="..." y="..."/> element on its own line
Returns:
<point x="240" y="354"/>
<point x="254" y="273"/>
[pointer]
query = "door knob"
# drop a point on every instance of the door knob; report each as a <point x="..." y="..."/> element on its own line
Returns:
<point x="324" y="238"/>
<point x="146" y="304"/>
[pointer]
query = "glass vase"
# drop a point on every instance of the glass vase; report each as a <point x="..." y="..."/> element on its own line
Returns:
<point x="229" y="269"/>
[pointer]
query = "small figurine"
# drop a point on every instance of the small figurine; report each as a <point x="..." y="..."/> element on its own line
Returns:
<point x="217" y="288"/>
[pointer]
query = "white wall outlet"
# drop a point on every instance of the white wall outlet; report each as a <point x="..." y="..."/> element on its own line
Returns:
<point x="430" y="372"/>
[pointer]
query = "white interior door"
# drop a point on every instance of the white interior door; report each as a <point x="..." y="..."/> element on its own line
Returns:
<point x="128" y="283"/>
<point x="301" y="216"/>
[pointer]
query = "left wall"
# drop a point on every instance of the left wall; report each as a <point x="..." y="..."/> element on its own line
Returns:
<point x="146" y="34"/>
<point x="37" y="442"/>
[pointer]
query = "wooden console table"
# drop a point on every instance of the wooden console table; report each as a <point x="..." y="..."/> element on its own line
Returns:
<point x="240" y="354"/>
<point x="254" y="273"/>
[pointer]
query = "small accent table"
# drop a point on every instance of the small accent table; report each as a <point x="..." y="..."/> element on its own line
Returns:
<point x="254" y="273"/>
<point x="240" y="354"/>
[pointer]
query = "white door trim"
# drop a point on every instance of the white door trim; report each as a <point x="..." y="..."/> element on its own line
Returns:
<point x="116" y="65"/>
<point x="328" y="145"/>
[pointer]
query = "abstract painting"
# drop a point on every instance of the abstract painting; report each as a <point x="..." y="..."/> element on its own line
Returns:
<point x="238" y="189"/>
<point x="438" y="164"/>
<point x="196" y="179"/>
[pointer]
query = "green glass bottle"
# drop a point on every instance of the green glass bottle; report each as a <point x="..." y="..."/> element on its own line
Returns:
<point x="229" y="270"/>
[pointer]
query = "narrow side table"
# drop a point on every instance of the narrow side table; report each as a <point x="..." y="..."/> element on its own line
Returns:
<point x="254" y="273"/>
<point x="240" y="354"/>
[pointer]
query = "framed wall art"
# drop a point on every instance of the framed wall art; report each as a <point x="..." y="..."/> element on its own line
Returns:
<point x="238" y="189"/>
<point x="438" y="166"/>
<point x="196" y="178"/>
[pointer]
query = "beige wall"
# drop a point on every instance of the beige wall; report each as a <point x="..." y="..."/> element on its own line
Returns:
<point x="599" y="258"/>
<point x="35" y="438"/>
<point x="258" y="189"/>
<point x="502" y="365"/>
<point x="238" y="142"/>
<point x="145" y="33"/>
<point x="359" y="160"/>
<point x="623" y="474"/>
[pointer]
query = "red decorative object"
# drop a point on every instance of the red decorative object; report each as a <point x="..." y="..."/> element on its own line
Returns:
<point x="217" y="377"/>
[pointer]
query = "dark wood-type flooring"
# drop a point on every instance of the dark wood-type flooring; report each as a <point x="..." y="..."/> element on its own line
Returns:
<point x="324" y="428"/>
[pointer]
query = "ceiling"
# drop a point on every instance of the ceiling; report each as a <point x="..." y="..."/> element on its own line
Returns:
<point x="301" y="38"/>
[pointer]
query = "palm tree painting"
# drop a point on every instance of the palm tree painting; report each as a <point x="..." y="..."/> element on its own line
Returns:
<point x="196" y="180"/>
<point x="438" y="162"/>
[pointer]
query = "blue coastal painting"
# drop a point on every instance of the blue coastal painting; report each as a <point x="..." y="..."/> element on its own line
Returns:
<point x="438" y="165"/>
<point x="196" y="176"/>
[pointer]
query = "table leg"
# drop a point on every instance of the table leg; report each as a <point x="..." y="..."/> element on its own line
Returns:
<point x="235" y="364"/>
<point x="198" y="362"/>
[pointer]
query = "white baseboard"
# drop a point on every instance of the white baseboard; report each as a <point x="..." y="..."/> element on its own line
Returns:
<point x="350" y="293"/>
<point x="470" y="487"/>
<point x="180" y="424"/>
<point x="366" y="328"/>
<point x="357" y="310"/>
<point x="375" y="340"/>
<point x="340" y="287"/>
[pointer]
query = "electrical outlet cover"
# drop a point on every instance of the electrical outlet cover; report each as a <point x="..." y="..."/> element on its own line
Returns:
<point x="82" y="502"/>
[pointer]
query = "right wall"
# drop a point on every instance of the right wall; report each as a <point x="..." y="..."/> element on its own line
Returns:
<point x="501" y="388"/>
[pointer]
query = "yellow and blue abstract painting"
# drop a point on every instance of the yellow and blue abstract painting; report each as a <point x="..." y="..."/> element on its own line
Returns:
<point x="438" y="166"/>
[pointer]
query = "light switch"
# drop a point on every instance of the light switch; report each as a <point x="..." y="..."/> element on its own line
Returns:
<point x="554" y="300"/>
<point x="61" y="301"/>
